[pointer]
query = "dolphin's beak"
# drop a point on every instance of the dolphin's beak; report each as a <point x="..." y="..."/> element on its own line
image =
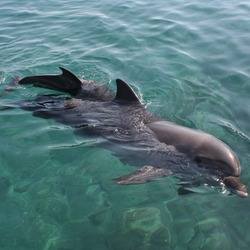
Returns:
<point x="241" y="191"/>
<point x="242" y="194"/>
<point x="236" y="185"/>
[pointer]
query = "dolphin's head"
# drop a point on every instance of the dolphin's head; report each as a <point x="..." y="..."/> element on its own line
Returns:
<point x="213" y="154"/>
<point x="229" y="168"/>
<point x="206" y="150"/>
<point x="220" y="159"/>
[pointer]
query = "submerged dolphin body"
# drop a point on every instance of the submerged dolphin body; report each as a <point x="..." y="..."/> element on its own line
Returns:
<point x="134" y="134"/>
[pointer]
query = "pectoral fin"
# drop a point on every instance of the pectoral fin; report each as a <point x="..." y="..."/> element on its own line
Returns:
<point x="186" y="187"/>
<point x="142" y="175"/>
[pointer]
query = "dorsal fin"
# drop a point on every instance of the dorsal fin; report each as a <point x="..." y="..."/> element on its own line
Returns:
<point x="67" y="74"/>
<point x="125" y="93"/>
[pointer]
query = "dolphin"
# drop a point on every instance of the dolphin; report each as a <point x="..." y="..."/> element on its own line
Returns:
<point x="122" y="123"/>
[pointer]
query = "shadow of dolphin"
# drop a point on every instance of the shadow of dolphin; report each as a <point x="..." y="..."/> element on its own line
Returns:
<point x="135" y="135"/>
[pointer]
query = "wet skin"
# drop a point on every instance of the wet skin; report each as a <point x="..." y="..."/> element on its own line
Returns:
<point x="158" y="147"/>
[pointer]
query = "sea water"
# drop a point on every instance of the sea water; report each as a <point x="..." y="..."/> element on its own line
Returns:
<point x="190" y="63"/>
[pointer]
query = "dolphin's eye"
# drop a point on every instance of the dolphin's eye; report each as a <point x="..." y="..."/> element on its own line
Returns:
<point x="198" y="159"/>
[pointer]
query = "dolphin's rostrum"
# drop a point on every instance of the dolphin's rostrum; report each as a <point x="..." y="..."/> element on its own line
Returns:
<point x="138" y="137"/>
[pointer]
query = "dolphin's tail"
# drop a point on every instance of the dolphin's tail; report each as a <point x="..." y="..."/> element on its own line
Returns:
<point x="13" y="84"/>
<point x="66" y="82"/>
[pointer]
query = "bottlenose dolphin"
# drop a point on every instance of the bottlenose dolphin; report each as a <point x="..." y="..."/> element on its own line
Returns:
<point x="138" y="137"/>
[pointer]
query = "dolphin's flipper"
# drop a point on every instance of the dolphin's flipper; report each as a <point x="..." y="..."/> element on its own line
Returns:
<point x="66" y="82"/>
<point x="142" y="175"/>
<point x="125" y="93"/>
<point x="184" y="191"/>
<point x="186" y="187"/>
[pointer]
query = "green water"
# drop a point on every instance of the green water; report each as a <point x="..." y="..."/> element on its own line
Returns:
<point x="190" y="61"/>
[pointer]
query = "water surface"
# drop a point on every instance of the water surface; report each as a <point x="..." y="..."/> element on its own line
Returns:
<point x="189" y="60"/>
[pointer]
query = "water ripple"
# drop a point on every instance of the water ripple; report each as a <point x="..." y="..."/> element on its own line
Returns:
<point x="190" y="62"/>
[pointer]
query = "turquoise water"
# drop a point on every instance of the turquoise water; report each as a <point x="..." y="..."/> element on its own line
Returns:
<point x="189" y="60"/>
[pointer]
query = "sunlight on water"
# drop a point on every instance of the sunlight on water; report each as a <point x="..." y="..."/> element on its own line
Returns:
<point x="189" y="61"/>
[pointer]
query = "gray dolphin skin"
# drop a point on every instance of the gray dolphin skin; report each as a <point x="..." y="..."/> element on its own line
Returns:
<point x="123" y="125"/>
